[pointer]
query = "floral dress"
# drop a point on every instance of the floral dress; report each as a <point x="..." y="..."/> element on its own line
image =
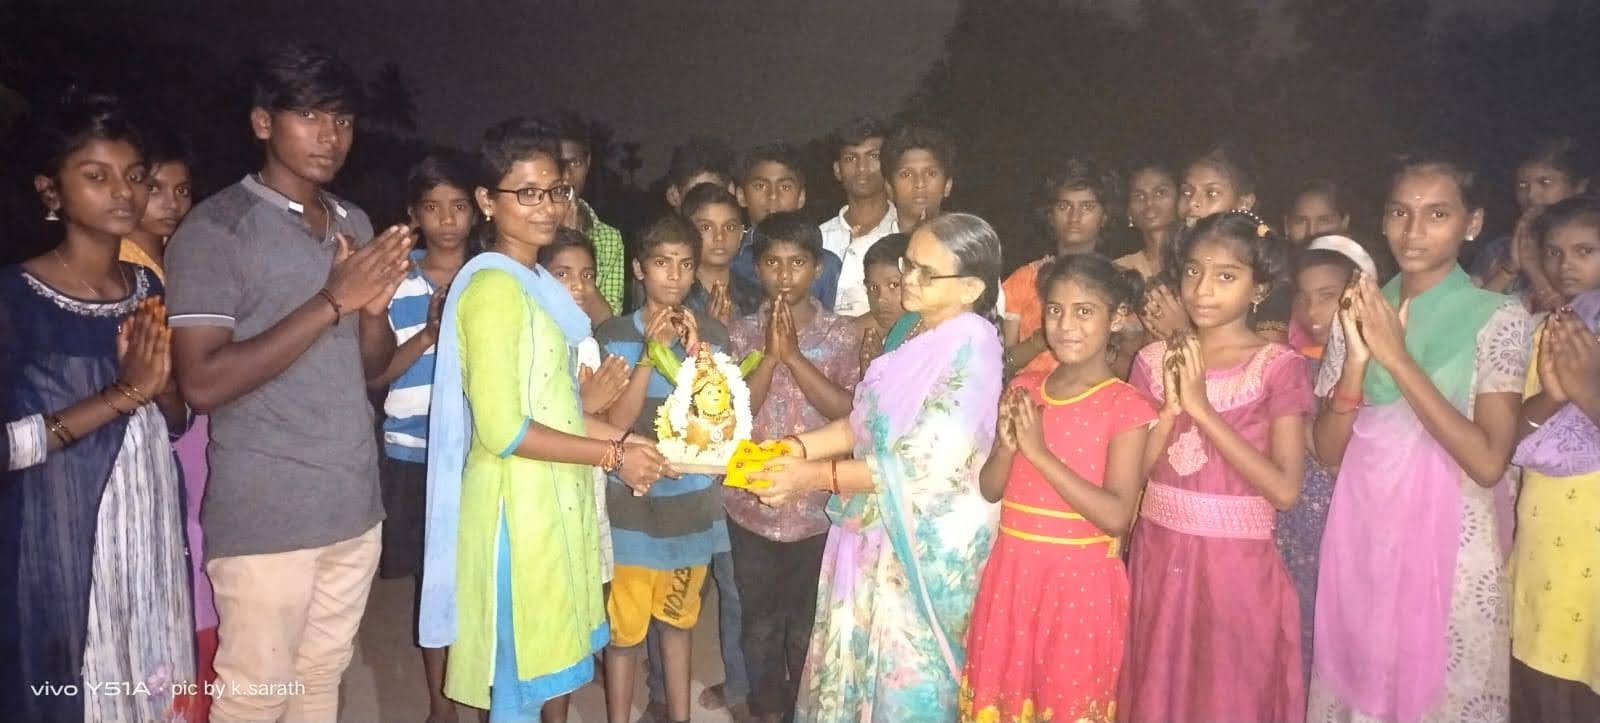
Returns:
<point x="902" y="563"/>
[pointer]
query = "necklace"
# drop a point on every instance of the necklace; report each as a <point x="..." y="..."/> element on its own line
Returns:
<point x="93" y="292"/>
<point x="916" y="329"/>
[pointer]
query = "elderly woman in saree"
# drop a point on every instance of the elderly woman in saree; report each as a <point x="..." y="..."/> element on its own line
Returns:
<point x="911" y="531"/>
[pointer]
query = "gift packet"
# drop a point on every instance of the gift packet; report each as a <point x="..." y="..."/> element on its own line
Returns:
<point x="749" y="459"/>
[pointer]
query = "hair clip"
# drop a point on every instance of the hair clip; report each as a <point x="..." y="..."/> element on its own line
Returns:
<point x="1261" y="230"/>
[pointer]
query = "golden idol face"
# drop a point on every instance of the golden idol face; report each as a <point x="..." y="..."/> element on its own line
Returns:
<point x="712" y="399"/>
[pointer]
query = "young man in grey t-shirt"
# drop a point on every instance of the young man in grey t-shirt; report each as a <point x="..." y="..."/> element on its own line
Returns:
<point x="263" y="279"/>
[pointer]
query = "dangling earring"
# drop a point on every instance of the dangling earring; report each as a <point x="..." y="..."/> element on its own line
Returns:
<point x="50" y="215"/>
<point x="1130" y="222"/>
<point x="1255" y="306"/>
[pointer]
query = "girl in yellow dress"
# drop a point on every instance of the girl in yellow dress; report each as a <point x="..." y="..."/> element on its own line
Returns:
<point x="1555" y="608"/>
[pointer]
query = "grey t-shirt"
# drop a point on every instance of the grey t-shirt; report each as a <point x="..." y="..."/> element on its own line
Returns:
<point x="294" y="462"/>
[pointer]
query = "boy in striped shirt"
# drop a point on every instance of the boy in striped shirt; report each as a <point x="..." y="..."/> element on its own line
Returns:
<point x="439" y="200"/>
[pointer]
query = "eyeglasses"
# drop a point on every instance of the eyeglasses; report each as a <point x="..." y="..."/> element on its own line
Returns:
<point x="533" y="196"/>
<point x="923" y="275"/>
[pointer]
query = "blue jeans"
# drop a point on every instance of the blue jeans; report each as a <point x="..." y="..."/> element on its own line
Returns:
<point x="736" y="686"/>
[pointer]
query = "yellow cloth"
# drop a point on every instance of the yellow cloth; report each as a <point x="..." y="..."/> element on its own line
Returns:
<point x="1555" y="571"/>
<point x="516" y="370"/>
<point x="641" y="593"/>
<point x="135" y="254"/>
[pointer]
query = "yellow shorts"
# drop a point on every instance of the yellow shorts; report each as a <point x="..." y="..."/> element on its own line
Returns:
<point x="641" y="593"/>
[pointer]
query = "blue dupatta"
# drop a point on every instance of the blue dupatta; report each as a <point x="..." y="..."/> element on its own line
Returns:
<point x="450" y="436"/>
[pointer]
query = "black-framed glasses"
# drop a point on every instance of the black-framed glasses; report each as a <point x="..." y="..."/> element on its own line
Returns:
<point x="911" y="273"/>
<point x="533" y="195"/>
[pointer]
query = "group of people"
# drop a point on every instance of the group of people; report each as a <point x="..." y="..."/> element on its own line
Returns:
<point x="1252" y="471"/>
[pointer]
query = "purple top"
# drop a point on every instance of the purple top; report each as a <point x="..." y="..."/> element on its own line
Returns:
<point x="1568" y="443"/>
<point x="191" y="448"/>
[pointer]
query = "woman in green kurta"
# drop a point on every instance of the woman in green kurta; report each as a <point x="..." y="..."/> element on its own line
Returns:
<point x="511" y="580"/>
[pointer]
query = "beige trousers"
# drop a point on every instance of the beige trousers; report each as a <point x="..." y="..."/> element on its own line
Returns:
<point x="288" y="628"/>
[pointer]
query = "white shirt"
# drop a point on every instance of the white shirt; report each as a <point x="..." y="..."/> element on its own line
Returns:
<point x="836" y="237"/>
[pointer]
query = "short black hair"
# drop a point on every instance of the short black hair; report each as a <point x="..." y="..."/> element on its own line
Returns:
<point x="706" y="194"/>
<point x="572" y="127"/>
<point x="1117" y="286"/>
<point x="787" y="227"/>
<point x="304" y="76"/>
<point x="1577" y="209"/>
<point x="1076" y="174"/>
<point x="1312" y="258"/>
<point x="1255" y="242"/>
<point x="887" y="250"/>
<point x="566" y="238"/>
<point x="696" y="156"/>
<point x="1235" y="161"/>
<point x="441" y="167"/>
<point x="1324" y="187"/>
<point x="855" y="132"/>
<point x="914" y="138"/>
<point x="513" y="140"/>
<point x="165" y="145"/>
<point x="779" y="152"/>
<point x="75" y="119"/>
<point x="1451" y="163"/>
<point x="1151" y="163"/>
<point x="1563" y="153"/>
<point x="669" y="229"/>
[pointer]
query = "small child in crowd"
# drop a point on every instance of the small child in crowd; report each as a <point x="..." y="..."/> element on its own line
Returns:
<point x="1051" y="619"/>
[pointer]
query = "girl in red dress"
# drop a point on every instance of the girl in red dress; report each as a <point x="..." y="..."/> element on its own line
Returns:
<point x="1051" y="618"/>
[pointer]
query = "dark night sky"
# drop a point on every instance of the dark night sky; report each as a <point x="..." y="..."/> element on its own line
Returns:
<point x="655" y="70"/>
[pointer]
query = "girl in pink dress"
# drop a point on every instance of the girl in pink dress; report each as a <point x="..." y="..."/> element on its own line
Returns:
<point x="1051" y="618"/>
<point x="1426" y="376"/>
<point x="1215" y="632"/>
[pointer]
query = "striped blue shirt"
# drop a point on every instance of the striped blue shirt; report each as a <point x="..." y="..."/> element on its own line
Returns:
<point x="680" y="522"/>
<point x="405" y="424"/>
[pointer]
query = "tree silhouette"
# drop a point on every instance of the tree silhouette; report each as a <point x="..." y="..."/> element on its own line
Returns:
<point x="630" y="162"/>
<point x="392" y="99"/>
<point x="1022" y="84"/>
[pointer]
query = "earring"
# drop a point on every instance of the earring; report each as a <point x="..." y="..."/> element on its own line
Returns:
<point x="1255" y="306"/>
<point x="1130" y="222"/>
<point x="51" y="215"/>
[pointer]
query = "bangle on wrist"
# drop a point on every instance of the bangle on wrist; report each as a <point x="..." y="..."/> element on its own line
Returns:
<point x="58" y="429"/>
<point x="338" y="311"/>
<point x="133" y="393"/>
<point x="802" y="445"/>
<point x="1355" y="400"/>
<point x="833" y="476"/>
<point x="107" y="401"/>
<point x="1342" y="403"/>
<point x="611" y="459"/>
